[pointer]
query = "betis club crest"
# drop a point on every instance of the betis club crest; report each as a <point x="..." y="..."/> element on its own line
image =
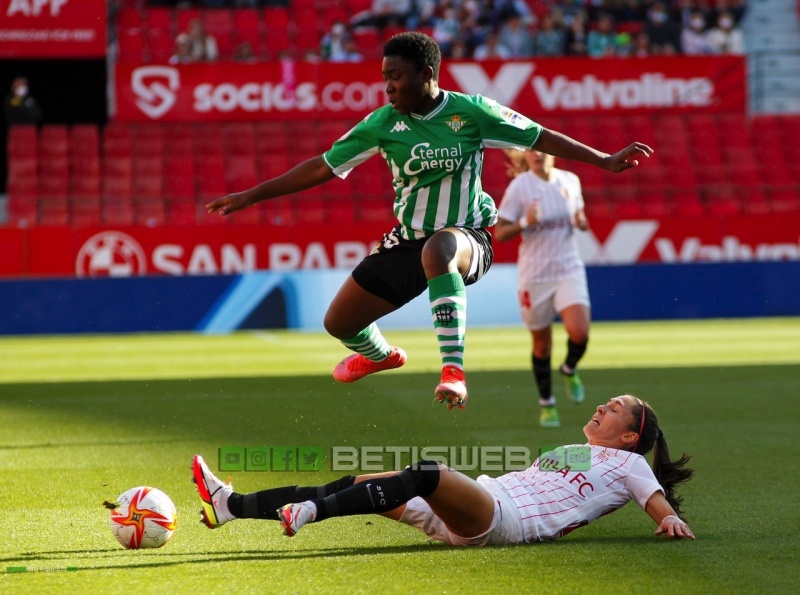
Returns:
<point x="455" y="123"/>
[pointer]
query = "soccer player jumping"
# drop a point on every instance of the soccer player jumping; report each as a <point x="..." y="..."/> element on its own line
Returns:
<point x="433" y="141"/>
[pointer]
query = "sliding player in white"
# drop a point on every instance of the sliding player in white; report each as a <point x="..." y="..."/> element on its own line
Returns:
<point x="548" y="500"/>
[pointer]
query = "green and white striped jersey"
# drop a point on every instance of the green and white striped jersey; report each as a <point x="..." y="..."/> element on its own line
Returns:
<point x="436" y="159"/>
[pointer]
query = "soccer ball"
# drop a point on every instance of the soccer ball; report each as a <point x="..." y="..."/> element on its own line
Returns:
<point x="143" y="517"/>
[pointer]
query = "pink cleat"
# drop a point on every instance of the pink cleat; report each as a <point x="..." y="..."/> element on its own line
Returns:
<point x="452" y="389"/>
<point x="356" y="366"/>
<point x="294" y="516"/>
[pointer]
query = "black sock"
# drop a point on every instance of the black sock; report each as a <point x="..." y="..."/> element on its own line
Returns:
<point x="575" y="352"/>
<point x="264" y="504"/>
<point x="375" y="496"/>
<point x="543" y="376"/>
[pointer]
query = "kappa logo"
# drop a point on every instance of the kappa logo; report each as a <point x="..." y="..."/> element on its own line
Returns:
<point x="156" y="89"/>
<point x="400" y="126"/>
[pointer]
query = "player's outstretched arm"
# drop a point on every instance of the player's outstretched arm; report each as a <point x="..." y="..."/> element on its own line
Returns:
<point x="561" y="145"/>
<point x="663" y="514"/>
<point x="307" y="174"/>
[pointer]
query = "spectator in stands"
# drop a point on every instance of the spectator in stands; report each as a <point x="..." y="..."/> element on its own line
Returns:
<point x="244" y="53"/>
<point x="332" y="43"/>
<point x="203" y="46"/>
<point x="641" y="46"/>
<point x="726" y="37"/>
<point x="736" y="8"/>
<point x="577" y="36"/>
<point x="602" y="39"/>
<point x="440" y="242"/>
<point x="516" y="37"/>
<point x="459" y="50"/>
<point x="384" y="13"/>
<point x="348" y="52"/>
<point x="662" y="30"/>
<point x="694" y="37"/>
<point x="495" y="13"/>
<point x="183" y="50"/>
<point x="19" y="106"/>
<point x="549" y="39"/>
<point x="311" y="56"/>
<point x="491" y="48"/>
<point x="448" y="29"/>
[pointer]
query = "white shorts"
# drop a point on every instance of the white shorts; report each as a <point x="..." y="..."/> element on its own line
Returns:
<point x="505" y="528"/>
<point x="540" y="302"/>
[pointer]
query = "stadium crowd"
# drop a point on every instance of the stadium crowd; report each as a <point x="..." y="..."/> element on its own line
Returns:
<point x="483" y="29"/>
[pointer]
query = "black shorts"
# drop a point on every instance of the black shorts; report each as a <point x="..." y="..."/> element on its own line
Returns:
<point x="393" y="270"/>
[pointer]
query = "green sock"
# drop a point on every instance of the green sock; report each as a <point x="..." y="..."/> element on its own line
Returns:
<point x="369" y="343"/>
<point x="448" y="298"/>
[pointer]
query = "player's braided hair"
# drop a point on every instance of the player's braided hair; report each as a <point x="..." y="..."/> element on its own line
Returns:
<point x="668" y="473"/>
<point x="418" y="48"/>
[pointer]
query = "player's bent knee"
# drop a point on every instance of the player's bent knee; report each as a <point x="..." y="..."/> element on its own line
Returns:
<point x="425" y="476"/>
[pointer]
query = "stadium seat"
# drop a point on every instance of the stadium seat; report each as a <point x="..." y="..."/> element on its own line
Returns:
<point x="22" y="173"/>
<point x="85" y="214"/>
<point x="116" y="212"/>
<point x="276" y="18"/>
<point x="159" y="33"/>
<point x="183" y="16"/>
<point x="687" y="203"/>
<point x="22" y="208"/>
<point x="23" y="141"/>
<point x="247" y="27"/>
<point x="53" y="141"/>
<point x="54" y="212"/>
<point x="240" y="172"/>
<point x="219" y="24"/>
<point x="131" y="46"/>
<point x="149" y="212"/>
<point x="368" y="41"/>
<point x="784" y="200"/>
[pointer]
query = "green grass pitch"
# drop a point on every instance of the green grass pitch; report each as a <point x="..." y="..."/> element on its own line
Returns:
<point x="84" y="418"/>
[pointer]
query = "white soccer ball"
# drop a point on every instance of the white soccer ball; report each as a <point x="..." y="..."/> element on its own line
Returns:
<point x="144" y="517"/>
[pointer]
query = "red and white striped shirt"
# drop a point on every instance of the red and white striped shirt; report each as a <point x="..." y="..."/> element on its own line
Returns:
<point x="554" y="500"/>
<point x="548" y="251"/>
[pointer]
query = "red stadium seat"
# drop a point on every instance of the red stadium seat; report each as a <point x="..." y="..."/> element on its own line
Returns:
<point x="22" y="208"/>
<point x="183" y="16"/>
<point x="276" y="18"/>
<point x="23" y="141"/>
<point x="247" y="27"/>
<point x="53" y="141"/>
<point x="149" y="212"/>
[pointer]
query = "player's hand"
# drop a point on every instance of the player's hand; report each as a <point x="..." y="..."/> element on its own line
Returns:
<point x="627" y="157"/>
<point x="581" y="222"/>
<point x="674" y="528"/>
<point x="230" y="203"/>
<point x="534" y="213"/>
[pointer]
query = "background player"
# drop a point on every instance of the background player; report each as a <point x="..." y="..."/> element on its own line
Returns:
<point x="545" y="204"/>
<point x="433" y="141"/>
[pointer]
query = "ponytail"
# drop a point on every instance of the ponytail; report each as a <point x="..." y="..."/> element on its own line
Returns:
<point x="669" y="474"/>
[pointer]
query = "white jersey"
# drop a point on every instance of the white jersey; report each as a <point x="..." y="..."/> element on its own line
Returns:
<point x="554" y="500"/>
<point x="548" y="251"/>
